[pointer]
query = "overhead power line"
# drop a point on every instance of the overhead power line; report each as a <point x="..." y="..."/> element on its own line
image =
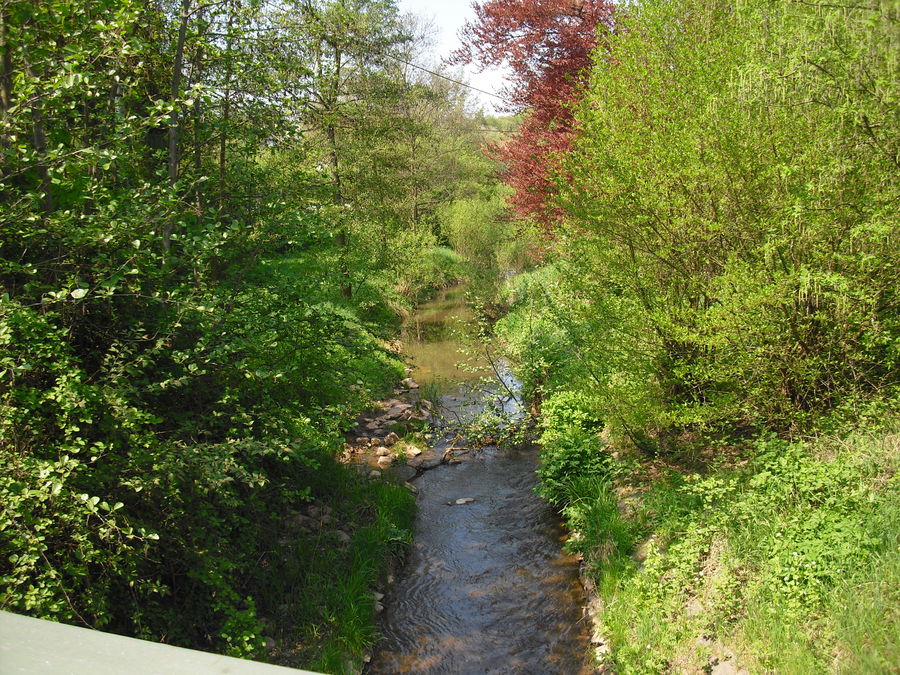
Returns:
<point x="444" y="77"/>
<point x="395" y="58"/>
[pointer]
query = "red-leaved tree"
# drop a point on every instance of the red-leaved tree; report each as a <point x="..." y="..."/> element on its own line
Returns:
<point x="547" y="44"/>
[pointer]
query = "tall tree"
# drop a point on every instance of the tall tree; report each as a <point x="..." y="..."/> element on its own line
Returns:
<point x="345" y="46"/>
<point x="547" y="44"/>
<point x="166" y="365"/>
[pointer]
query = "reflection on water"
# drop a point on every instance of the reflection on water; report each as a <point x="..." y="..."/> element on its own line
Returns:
<point x="431" y="339"/>
<point x="486" y="587"/>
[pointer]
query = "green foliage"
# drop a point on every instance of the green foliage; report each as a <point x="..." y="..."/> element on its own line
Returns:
<point x="203" y="473"/>
<point x="60" y="526"/>
<point x="740" y="558"/>
<point x="866" y="607"/>
<point x="495" y="246"/>
<point x="566" y="410"/>
<point x="603" y="536"/>
<point x="727" y="270"/>
<point x="197" y="298"/>
<point x="727" y="258"/>
<point x="535" y="341"/>
<point x="571" y="448"/>
<point x="473" y="228"/>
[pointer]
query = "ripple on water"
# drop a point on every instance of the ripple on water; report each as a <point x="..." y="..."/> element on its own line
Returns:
<point x="486" y="588"/>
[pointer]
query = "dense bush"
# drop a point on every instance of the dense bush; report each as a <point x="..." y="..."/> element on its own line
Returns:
<point x="475" y="228"/>
<point x="165" y="474"/>
<point x="495" y="246"/>
<point x="536" y="341"/>
<point x="570" y="445"/>
<point x="196" y="300"/>
<point x="723" y="278"/>
<point x="730" y="257"/>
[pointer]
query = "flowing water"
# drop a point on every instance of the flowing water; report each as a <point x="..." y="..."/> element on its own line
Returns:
<point x="486" y="587"/>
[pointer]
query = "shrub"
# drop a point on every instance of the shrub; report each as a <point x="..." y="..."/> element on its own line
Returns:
<point x="729" y="253"/>
<point x="571" y="446"/>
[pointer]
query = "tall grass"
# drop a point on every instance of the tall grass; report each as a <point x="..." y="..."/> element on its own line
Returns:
<point x="318" y="594"/>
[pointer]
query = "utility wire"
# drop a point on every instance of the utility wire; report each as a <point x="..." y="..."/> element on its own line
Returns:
<point x="443" y="77"/>
<point x="395" y="58"/>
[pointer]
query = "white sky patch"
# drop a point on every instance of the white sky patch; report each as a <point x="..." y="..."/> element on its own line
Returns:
<point x="448" y="17"/>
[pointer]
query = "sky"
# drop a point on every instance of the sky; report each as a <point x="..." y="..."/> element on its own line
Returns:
<point x="448" y="17"/>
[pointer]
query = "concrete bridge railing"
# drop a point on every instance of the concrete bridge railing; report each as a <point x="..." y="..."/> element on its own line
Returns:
<point x="36" y="646"/>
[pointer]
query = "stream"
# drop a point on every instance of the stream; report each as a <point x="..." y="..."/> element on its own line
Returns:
<point x="486" y="587"/>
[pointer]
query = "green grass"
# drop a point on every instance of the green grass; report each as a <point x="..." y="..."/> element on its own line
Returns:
<point x="317" y="593"/>
<point x="605" y="538"/>
<point x="785" y="562"/>
<point x="866" y="607"/>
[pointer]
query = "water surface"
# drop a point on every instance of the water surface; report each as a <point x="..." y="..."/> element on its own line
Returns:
<point x="486" y="587"/>
<point x="432" y="340"/>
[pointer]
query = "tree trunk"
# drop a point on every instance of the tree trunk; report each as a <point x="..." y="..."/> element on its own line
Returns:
<point x="5" y="66"/>
<point x="174" y="116"/>
<point x="6" y="96"/>
<point x="196" y="76"/>
<point x="226" y="111"/>
<point x="338" y="198"/>
<point x="40" y="145"/>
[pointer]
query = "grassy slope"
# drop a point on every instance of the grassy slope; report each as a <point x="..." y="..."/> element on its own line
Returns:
<point x="319" y="594"/>
<point x="786" y="560"/>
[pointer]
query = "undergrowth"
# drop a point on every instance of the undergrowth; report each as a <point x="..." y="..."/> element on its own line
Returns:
<point x="157" y="494"/>
<point x="318" y="592"/>
<point x="784" y="559"/>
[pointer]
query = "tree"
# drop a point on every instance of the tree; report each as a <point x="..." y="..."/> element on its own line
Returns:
<point x="184" y="187"/>
<point x="345" y="46"/>
<point x="728" y="198"/>
<point x="548" y="46"/>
